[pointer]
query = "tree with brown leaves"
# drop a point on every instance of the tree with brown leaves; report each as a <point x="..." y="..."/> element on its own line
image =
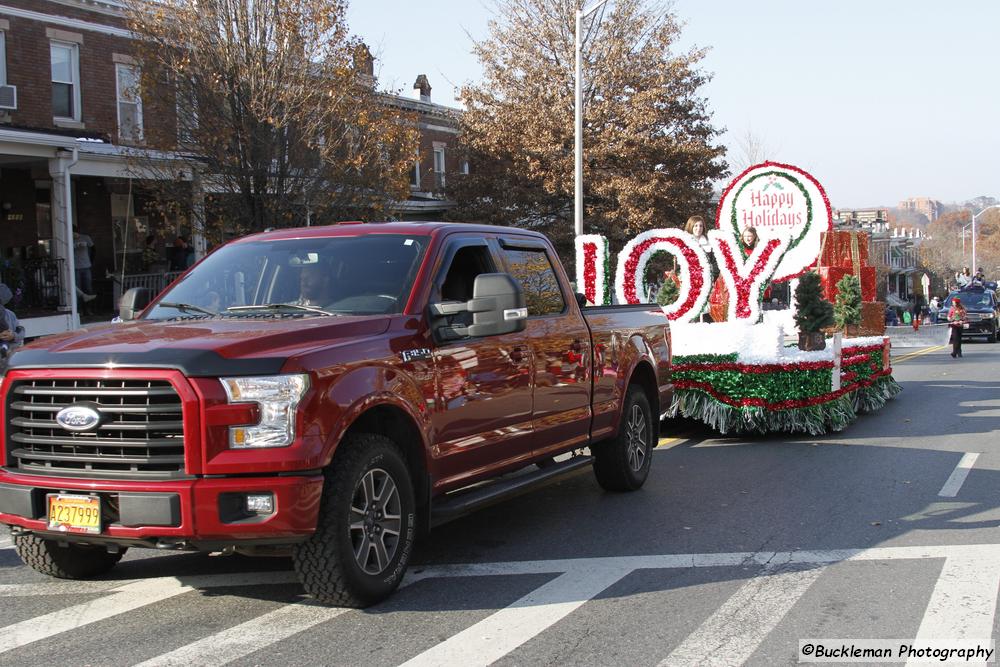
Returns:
<point x="942" y="250"/>
<point x="276" y="112"/>
<point x="650" y="151"/>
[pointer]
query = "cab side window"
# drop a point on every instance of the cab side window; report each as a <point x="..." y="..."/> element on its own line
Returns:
<point x="467" y="263"/>
<point x="460" y="277"/>
<point x="531" y="267"/>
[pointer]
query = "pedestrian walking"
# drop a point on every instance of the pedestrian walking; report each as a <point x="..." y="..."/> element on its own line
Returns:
<point x="935" y="308"/>
<point x="956" y="320"/>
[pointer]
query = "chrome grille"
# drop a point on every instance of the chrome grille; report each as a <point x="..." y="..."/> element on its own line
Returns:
<point x="140" y="436"/>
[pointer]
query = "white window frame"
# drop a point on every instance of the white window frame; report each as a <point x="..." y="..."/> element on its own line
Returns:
<point x="74" y="50"/>
<point x="415" y="183"/>
<point x="465" y="167"/>
<point x="119" y="100"/>
<point x="439" y="174"/>
<point x="3" y="57"/>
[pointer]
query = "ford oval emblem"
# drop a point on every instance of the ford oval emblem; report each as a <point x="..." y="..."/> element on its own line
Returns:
<point x="78" y="418"/>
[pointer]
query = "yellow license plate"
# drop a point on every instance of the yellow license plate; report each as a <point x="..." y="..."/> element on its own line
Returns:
<point x="75" y="513"/>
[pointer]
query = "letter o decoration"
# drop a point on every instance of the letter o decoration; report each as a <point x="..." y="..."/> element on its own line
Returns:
<point x="695" y="274"/>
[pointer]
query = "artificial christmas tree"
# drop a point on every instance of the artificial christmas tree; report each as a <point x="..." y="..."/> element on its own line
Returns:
<point x="669" y="290"/>
<point x="812" y="312"/>
<point x="847" y="308"/>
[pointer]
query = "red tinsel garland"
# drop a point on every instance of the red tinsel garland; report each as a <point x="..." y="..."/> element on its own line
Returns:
<point x="856" y="359"/>
<point x="694" y="269"/>
<point x="590" y="271"/>
<point x="757" y="368"/>
<point x="744" y="286"/>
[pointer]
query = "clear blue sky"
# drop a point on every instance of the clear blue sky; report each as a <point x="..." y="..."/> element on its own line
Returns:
<point x="879" y="99"/>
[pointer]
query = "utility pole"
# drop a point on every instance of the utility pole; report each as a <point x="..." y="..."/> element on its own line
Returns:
<point x="578" y="119"/>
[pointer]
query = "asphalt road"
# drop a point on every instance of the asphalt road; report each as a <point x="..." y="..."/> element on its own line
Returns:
<point x="735" y="550"/>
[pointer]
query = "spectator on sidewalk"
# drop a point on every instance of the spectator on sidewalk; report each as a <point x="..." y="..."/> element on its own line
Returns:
<point x="11" y="334"/>
<point x="83" y="255"/>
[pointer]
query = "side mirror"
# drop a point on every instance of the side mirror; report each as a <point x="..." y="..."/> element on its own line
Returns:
<point x="497" y="307"/>
<point x="133" y="302"/>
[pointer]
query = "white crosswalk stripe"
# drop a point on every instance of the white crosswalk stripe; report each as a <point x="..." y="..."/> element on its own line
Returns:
<point x="964" y="601"/>
<point x="496" y="636"/>
<point x="123" y="599"/>
<point x="962" y="605"/>
<point x="734" y="632"/>
<point x="245" y="638"/>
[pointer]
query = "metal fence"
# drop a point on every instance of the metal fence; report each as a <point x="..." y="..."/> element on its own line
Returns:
<point x="157" y="282"/>
<point x="36" y="284"/>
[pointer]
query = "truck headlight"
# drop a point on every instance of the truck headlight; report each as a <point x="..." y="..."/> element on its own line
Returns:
<point x="278" y="397"/>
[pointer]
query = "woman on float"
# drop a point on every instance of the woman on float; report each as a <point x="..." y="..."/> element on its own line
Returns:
<point x="697" y="228"/>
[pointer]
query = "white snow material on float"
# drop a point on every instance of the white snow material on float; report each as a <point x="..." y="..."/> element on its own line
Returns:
<point x="754" y="343"/>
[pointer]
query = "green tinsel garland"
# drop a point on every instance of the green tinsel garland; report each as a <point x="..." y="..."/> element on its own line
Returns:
<point x="874" y="397"/>
<point x="834" y="415"/>
<point x="730" y="358"/>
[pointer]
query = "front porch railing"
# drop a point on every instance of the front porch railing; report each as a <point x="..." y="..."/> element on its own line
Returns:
<point x="37" y="284"/>
<point x="156" y="282"/>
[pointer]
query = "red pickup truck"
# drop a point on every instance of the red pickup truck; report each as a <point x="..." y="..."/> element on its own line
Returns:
<point x="328" y="393"/>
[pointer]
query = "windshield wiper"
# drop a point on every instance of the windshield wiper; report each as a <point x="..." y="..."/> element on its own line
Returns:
<point x="186" y="308"/>
<point x="280" y="306"/>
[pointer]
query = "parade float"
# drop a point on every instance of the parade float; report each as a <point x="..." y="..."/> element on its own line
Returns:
<point x="760" y="370"/>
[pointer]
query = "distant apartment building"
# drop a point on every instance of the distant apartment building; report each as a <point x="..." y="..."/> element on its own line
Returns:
<point x="930" y="208"/>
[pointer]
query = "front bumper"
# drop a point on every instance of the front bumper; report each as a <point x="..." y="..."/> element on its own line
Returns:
<point x="189" y="513"/>
<point x="980" y="328"/>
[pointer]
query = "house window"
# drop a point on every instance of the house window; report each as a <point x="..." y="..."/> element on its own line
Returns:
<point x="129" y="103"/>
<point x="465" y="167"/>
<point x="187" y="114"/>
<point x="415" y="174"/>
<point x="65" y="80"/>
<point x="439" y="168"/>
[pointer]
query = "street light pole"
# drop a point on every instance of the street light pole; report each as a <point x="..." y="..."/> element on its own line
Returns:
<point x="974" y="218"/>
<point x="578" y="120"/>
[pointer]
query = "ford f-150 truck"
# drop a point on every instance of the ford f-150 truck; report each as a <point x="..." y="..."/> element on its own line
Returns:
<point x="328" y="393"/>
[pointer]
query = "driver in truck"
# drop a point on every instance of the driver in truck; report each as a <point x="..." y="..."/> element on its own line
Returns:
<point x="315" y="286"/>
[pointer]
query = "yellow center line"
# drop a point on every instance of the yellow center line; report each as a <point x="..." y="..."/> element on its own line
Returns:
<point x="671" y="440"/>
<point x="918" y="353"/>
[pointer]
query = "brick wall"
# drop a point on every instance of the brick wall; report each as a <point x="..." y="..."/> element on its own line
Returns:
<point x="429" y="138"/>
<point x="29" y="67"/>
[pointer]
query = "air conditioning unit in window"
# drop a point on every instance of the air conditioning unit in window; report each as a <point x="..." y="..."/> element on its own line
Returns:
<point x="8" y="97"/>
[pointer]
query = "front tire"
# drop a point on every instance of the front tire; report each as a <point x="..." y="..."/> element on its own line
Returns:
<point x="622" y="463"/>
<point x="72" y="561"/>
<point x="366" y="527"/>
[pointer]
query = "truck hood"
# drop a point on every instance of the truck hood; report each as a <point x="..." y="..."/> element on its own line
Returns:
<point x="207" y="347"/>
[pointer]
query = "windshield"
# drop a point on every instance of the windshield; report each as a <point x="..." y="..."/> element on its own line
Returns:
<point x="341" y="275"/>
<point x="971" y="300"/>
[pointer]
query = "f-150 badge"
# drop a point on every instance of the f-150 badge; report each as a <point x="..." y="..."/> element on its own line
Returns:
<point x="415" y="354"/>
